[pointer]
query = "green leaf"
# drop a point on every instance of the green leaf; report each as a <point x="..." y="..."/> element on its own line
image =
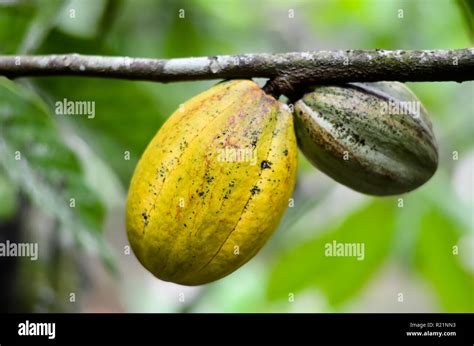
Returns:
<point x="25" y="24"/>
<point x="339" y="278"/>
<point x="14" y="22"/>
<point x="127" y="114"/>
<point x="81" y="17"/>
<point x="438" y="262"/>
<point x="34" y="156"/>
<point x="41" y="25"/>
<point x="126" y="119"/>
<point x="467" y="10"/>
<point x="8" y="197"/>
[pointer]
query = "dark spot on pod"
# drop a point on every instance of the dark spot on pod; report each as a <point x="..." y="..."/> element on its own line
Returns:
<point x="265" y="164"/>
<point x="255" y="189"/>
<point x="254" y="134"/>
<point x="209" y="178"/>
<point x="285" y="152"/>
<point x="161" y="171"/>
<point x="145" y="218"/>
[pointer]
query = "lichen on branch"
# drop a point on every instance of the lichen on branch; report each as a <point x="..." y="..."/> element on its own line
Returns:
<point x="286" y="70"/>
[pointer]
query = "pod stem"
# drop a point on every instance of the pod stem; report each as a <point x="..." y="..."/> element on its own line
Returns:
<point x="293" y="89"/>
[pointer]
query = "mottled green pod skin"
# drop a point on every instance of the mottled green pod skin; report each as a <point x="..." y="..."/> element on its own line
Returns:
<point x="375" y="138"/>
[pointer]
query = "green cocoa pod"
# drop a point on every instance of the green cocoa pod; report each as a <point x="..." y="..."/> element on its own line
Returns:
<point x="375" y="138"/>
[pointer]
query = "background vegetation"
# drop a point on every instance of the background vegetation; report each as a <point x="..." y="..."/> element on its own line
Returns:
<point x="84" y="264"/>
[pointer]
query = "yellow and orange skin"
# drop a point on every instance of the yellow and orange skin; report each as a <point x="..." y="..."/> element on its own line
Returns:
<point x="193" y="218"/>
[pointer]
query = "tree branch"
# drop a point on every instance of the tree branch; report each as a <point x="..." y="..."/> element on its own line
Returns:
<point x="287" y="70"/>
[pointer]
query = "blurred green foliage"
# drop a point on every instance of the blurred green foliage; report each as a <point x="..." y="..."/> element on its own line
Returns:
<point x="34" y="157"/>
<point x="435" y="260"/>
<point x="418" y="237"/>
<point x="310" y="267"/>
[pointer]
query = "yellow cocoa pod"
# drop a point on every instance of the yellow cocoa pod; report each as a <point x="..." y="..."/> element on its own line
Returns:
<point x="213" y="184"/>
